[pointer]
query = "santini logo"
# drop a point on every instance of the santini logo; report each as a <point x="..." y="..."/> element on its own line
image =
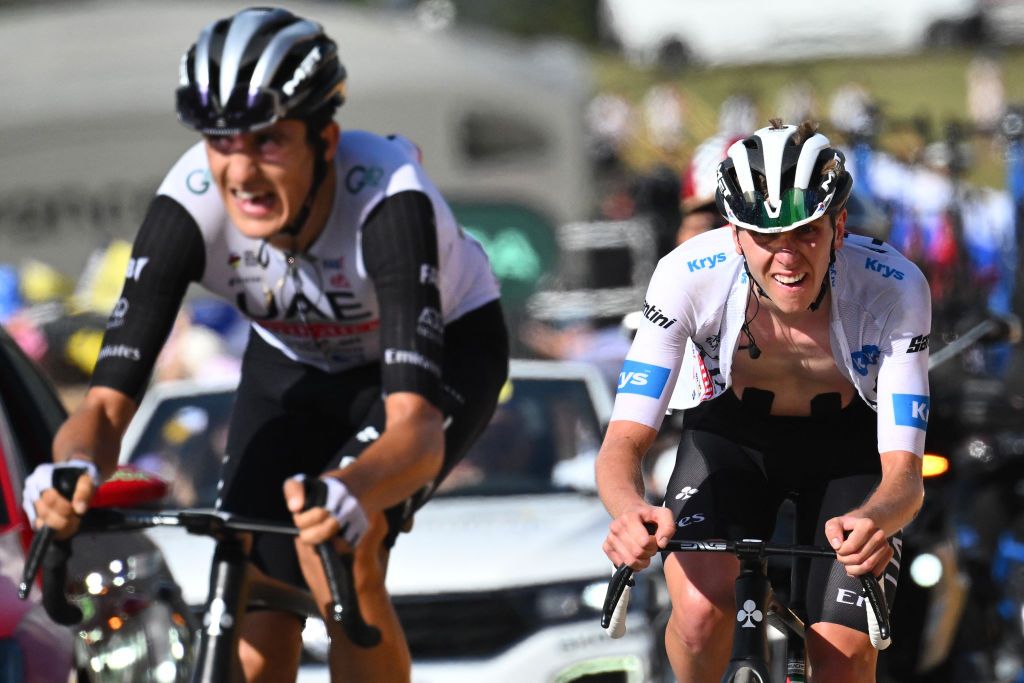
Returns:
<point x="656" y="316"/>
<point x="886" y="271"/>
<point x="708" y="262"/>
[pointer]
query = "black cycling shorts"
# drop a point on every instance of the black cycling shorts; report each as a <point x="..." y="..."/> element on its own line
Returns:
<point x="290" y="418"/>
<point x="737" y="464"/>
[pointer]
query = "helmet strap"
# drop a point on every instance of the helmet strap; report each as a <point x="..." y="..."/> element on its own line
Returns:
<point x="831" y="260"/>
<point x="319" y="174"/>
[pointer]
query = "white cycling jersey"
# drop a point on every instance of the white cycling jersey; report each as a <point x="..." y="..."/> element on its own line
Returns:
<point x="879" y="322"/>
<point x="339" y="327"/>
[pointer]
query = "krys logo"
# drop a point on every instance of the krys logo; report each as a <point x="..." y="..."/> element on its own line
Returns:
<point x="910" y="410"/>
<point x="708" y="262"/>
<point x="868" y="355"/>
<point x="886" y="271"/>
<point x="643" y="379"/>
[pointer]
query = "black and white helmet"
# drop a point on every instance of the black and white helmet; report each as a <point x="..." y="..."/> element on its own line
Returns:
<point x="247" y="71"/>
<point x="780" y="178"/>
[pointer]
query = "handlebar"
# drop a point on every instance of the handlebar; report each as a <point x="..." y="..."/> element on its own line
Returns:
<point x="54" y="554"/>
<point x="613" y="613"/>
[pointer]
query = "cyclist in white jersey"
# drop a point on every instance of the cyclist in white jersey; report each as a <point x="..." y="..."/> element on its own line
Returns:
<point x="378" y="347"/>
<point x="799" y="354"/>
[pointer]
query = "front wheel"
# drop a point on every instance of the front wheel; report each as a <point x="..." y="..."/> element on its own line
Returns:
<point x="748" y="675"/>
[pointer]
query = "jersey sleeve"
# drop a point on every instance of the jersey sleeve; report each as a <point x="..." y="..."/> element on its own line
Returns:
<point x="903" y="399"/>
<point x="651" y="368"/>
<point x="167" y="255"/>
<point x="399" y="248"/>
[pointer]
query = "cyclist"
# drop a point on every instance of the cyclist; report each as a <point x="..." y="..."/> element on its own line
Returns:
<point x="791" y="345"/>
<point x="377" y="333"/>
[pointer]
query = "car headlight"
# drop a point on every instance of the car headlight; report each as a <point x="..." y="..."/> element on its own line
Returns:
<point x="577" y="600"/>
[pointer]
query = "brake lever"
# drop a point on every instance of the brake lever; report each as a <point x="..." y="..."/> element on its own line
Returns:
<point x="56" y="554"/>
<point x="879" y="605"/>
<point x="339" y="573"/>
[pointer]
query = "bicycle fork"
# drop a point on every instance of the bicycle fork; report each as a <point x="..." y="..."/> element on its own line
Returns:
<point x="218" y="644"/>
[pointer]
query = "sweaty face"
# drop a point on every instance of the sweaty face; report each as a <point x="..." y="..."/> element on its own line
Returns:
<point x="790" y="266"/>
<point x="263" y="177"/>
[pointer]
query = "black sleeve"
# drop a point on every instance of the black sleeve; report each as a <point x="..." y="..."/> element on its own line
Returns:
<point x="400" y="252"/>
<point x="167" y="255"/>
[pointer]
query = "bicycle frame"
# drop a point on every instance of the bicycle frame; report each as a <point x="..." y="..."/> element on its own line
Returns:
<point x="753" y="595"/>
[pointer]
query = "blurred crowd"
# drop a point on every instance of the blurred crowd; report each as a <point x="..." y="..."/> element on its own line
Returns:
<point x="911" y="189"/>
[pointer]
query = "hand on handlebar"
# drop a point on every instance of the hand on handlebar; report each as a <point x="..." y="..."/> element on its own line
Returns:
<point x="45" y="506"/>
<point x="341" y="515"/>
<point x="629" y="542"/>
<point x="865" y="548"/>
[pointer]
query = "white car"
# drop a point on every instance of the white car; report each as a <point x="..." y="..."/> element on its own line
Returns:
<point x="503" y="577"/>
<point x="719" y="32"/>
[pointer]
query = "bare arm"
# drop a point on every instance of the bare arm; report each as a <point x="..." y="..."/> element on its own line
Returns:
<point x="621" y="486"/>
<point x="620" y="480"/>
<point x="94" y="431"/>
<point x="888" y="509"/>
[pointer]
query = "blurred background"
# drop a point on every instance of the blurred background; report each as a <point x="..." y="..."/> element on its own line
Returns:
<point x="577" y="139"/>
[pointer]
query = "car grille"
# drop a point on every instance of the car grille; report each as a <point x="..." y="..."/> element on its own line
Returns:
<point x="466" y="624"/>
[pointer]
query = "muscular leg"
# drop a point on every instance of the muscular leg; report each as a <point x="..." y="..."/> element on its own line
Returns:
<point x="698" y="638"/>
<point x="840" y="654"/>
<point x="390" y="660"/>
<point x="270" y="647"/>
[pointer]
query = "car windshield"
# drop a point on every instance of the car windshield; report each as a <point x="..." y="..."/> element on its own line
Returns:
<point x="543" y="437"/>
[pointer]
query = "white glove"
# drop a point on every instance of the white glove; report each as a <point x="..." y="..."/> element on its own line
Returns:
<point x="42" y="479"/>
<point x="345" y="508"/>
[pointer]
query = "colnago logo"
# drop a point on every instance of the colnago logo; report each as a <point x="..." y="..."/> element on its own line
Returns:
<point x="749" y="614"/>
<point x="304" y="70"/>
<point x="884" y="270"/>
<point x="708" y="262"/>
<point x="368" y="434"/>
<point x="686" y="493"/>
<point x="656" y="316"/>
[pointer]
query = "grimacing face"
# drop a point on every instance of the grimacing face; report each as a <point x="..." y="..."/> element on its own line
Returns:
<point x="264" y="176"/>
<point x="790" y="266"/>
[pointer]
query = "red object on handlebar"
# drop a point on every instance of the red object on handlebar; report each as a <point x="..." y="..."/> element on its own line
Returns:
<point x="129" y="487"/>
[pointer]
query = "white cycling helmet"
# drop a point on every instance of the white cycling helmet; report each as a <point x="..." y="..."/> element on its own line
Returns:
<point x="780" y="178"/>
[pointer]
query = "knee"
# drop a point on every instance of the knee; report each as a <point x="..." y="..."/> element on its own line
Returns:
<point x="696" y="621"/>
<point x="841" y="655"/>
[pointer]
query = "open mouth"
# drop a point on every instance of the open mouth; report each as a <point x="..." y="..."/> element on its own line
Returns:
<point x="254" y="203"/>
<point x="790" y="280"/>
